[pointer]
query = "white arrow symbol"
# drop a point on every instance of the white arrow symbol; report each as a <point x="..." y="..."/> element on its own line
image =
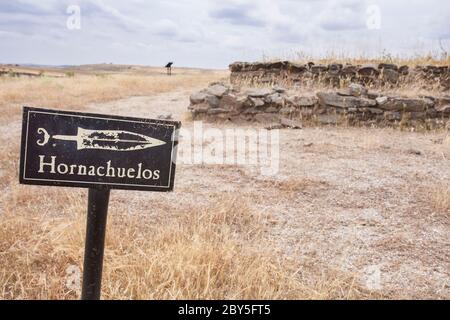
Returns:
<point x="116" y="140"/>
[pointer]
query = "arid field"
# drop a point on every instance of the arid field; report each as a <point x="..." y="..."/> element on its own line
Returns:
<point x="353" y="213"/>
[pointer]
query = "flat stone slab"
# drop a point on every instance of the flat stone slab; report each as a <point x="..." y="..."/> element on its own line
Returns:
<point x="407" y="104"/>
<point x="259" y="93"/>
<point x="335" y="100"/>
<point x="301" y="101"/>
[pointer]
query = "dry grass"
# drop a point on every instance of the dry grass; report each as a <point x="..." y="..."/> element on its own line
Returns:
<point x="309" y="87"/>
<point x="212" y="253"/>
<point x="440" y="199"/>
<point x="411" y="61"/>
<point x="81" y="90"/>
<point x="294" y="185"/>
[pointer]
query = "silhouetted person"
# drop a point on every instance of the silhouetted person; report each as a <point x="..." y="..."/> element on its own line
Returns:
<point x="169" y="68"/>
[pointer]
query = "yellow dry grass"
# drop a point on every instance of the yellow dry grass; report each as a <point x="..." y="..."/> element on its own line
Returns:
<point x="199" y="253"/>
<point x="440" y="197"/>
<point x="411" y="61"/>
<point x="78" y="91"/>
<point x="293" y="185"/>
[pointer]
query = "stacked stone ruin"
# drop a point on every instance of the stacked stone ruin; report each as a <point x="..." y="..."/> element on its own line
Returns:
<point x="339" y="75"/>
<point x="352" y="105"/>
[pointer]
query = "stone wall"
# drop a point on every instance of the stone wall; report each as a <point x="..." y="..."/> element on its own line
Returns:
<point x="339" y="75"/>
<point x="353" y="105"/>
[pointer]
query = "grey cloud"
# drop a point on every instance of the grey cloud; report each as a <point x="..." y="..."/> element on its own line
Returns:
<point x="342" y="25"/>
<point x="343" y="15"/>
<point x="19" y="7"/>
<point x="239" y="15"/>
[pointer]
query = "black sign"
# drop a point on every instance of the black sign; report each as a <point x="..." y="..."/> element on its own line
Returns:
<point x="91" y="150"/>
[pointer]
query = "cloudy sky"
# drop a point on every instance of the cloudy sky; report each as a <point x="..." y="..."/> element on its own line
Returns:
<point x="212" y="34"/>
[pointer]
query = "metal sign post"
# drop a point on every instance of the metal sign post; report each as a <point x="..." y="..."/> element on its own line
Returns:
<point x="99" y="152"/>
<point x="95" y="243"/>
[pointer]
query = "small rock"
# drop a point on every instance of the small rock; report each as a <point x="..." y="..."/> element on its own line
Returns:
<point x="369" y="70"/>
<point x="349" y="70"/>
<point x="199" y="108"/>
<point x="275" y="99"/>
<point x="257" y="102"/>
<point x="236" y="66"/>
<point x="357" y="90"/>
<point x="390" y="76"/>
<point x="242" y="102"/>
<point x="381" y="100"/>
<point x="404" y="70"/>
<point x="308" y="144"/>
<point x="217" y="90"/>
<point x="212" y="100"/>
<point x="334" y="68"/>
<point x="306" y="101"/>
<point x="198" y="97"/>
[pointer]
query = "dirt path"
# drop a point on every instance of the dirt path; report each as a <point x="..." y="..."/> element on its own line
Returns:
<point x="359" y="200"/>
